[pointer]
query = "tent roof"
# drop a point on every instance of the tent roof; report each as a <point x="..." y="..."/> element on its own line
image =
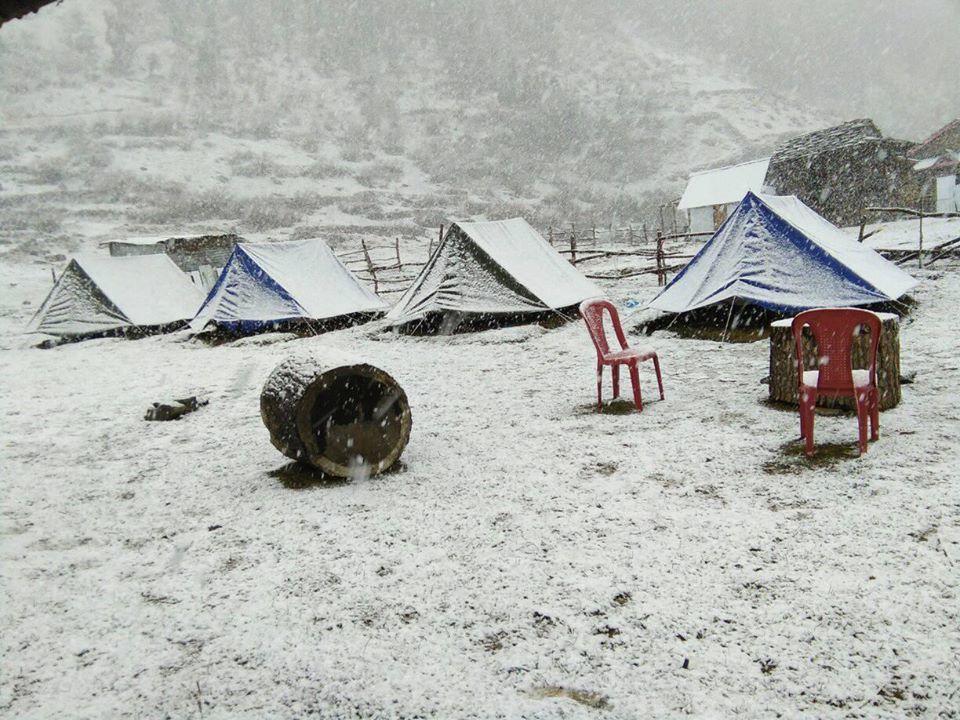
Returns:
<point x="724" y="185"/>
<point x="147" y="289"/>
<point x="98" y="293"/>
<point x="267" y="282"/>
<point x="500" y="266"/>
<point x="776" y="252"/>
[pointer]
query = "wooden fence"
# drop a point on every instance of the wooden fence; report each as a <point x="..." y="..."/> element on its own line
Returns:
<point x="389" y="268"/>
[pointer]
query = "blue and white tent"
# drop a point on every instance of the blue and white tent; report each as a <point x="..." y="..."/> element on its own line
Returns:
<point x="775" y="252"/>
<point x="267" y="283"/>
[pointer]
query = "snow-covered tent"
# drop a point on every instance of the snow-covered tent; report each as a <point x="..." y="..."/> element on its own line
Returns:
<point x="777" y="253"/>
<point x="98" y="295"/>
<point x="499" y="268"/>
<point x="266" y="284"/>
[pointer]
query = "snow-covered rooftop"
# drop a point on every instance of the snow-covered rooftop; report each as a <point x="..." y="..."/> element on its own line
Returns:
<point x="724" y="185"/>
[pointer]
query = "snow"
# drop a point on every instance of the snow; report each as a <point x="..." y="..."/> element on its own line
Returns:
<point x="724" y="185"/>
<point x="140" y="290"/>
<point x="904" y="235"/>
<point x="775" y="252"/>
<point x="861" y="378"/>
<point x="527" y="543"/>
<point x="515" y="270"/>
<point x="884" y="317"/>
<point x="864" y="261"/>
<point x="308" y="281"/>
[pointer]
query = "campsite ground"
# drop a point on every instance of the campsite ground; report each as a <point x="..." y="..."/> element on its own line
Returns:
<point x="531" y="557"/>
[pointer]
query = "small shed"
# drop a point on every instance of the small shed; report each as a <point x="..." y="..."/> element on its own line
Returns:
<point x="937" y="167"/>
<point x="711" y="195"/>
<point x="840" y="170"/>
<point x="202" y="257"/>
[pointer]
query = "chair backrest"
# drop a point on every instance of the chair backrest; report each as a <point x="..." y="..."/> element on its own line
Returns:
<point x="592" y="313"/>
<point x="833" y="331"/>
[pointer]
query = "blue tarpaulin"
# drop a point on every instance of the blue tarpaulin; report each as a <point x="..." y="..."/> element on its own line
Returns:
<point x="775" y="252"/>
<point x="267" y="283"/>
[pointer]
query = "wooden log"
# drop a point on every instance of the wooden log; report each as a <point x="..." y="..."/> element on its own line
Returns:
<point x="783" y="363"/>
<point x="347" y="421"/>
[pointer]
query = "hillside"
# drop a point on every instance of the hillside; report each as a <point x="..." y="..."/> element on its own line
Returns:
<point x="306" y="130"/>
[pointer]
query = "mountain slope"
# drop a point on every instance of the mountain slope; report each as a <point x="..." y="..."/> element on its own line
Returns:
<point x="138" y="120"/>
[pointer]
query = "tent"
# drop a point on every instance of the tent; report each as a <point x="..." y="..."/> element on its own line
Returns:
<point x="777" y="253"/>
<point x="498" y="268"/>
<point x="101" y="295"/>
<point x="265" y="284"/>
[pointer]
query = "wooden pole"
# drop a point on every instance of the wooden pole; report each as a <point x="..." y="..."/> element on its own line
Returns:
<point x="573" y="242"/>
<point x="863" y="227"/>
<point x="399" y="263"/>
<point x="551" y="235"/>
<point x="370" y="268"/>
<point x="53" y="274"/>
<point x="661" y="273"/>
<point x="920" y="244"/>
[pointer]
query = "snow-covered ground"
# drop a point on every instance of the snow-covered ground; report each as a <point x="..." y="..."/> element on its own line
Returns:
<point x="531" y="558"/>
<point x="904" y="235"/>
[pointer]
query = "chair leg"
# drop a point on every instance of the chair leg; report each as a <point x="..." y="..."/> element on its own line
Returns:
<point x="599" y="387"/>
<point x="656" y="367"/>
<point x="615" y="369"/>
<point x="808" y="401"/>
<point x="863" y="411"/>
<point x="635" y="381"/>
<point x="803" y="417"/>
<point x="875" y="415"/>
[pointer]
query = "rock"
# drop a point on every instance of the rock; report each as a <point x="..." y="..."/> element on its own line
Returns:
<point x="174" y="410"/>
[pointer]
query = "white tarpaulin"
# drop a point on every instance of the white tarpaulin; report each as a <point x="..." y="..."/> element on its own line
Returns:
<point x="97" y="294"/>
<point x="264" y="283"/>
<point x="723" y="186"/>
<point x="497" y="267"/>
<point x="776" y="252"/>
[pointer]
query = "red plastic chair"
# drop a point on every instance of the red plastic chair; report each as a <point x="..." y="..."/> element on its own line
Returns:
<point x="833" y="332"/>
<point x="592" y="313"/>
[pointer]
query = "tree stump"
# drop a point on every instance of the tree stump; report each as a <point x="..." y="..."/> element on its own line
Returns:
<point x="347" y="421"/>
<point x="783" y="363"/>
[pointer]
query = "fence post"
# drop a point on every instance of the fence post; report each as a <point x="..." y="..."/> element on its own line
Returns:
<point x="370" y="268"/>
<point x="399" y="262"/>
<point x="863" y="226"/>
<point x="551" y="235"/>
<point x="573" y="243"/>
<point x="920" y="244"/>
<point x="661" y="267"/>
<point x="594" y="235"/>
<point x="630" y="234"/>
